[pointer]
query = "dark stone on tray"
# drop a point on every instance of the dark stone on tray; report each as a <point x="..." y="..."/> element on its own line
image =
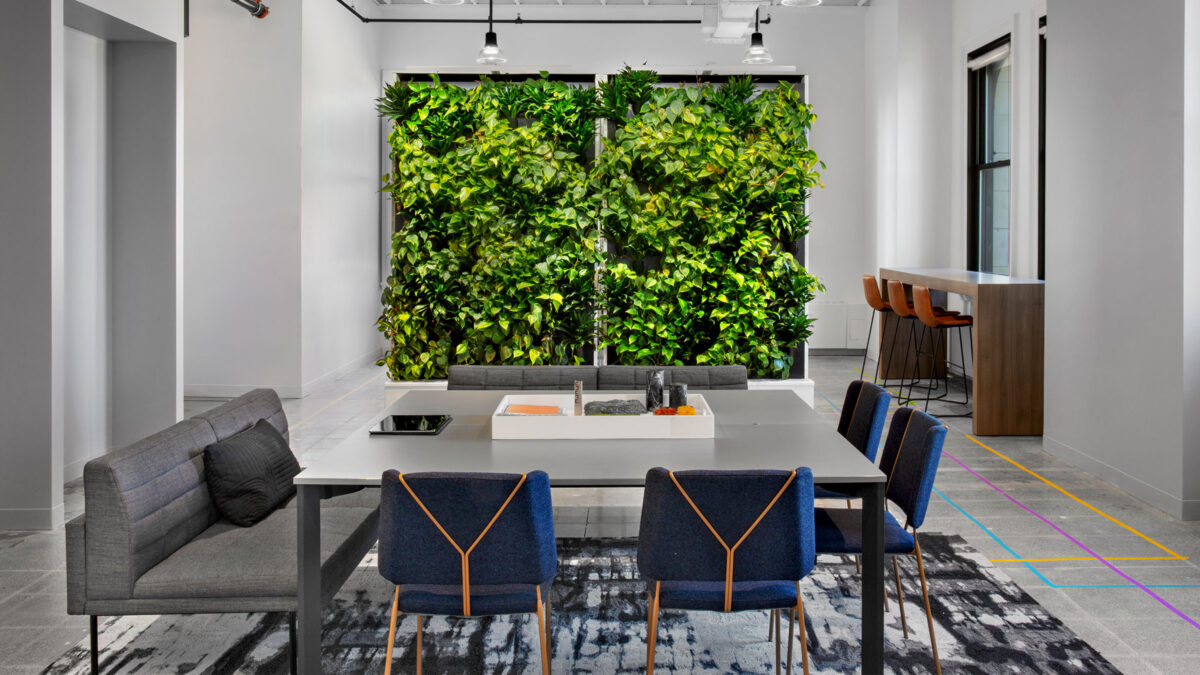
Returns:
<point x="615" y="406"/>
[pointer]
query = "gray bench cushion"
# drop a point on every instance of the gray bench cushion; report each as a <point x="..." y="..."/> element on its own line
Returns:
<point x="242" y="412"/>
<point x="227" y="561"/>
<point x="143" y="503"/>
<point x="520" y="377"/>
<point x="695" y="377"/>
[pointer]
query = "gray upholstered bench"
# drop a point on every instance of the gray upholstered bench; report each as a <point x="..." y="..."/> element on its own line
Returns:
<point x="593" y="377"/>
<point x="152" y="542"/>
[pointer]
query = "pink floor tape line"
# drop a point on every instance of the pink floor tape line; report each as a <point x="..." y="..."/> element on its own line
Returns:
<point x="1078" y="543"/>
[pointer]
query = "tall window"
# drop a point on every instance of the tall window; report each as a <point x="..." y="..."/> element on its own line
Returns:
<point x="990" y="91"/>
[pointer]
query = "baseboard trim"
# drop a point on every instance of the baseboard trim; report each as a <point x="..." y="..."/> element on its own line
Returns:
<point x="361" y="361"/>
<point x="1183" y="509"/>
<point x="835" y="351"/>
<point x="74" y="470"/>
<point x="235" y="390"/>
<point x="32" y="519"/>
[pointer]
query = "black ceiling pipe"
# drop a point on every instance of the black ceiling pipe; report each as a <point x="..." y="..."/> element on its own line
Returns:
<point x="519" y="20"/>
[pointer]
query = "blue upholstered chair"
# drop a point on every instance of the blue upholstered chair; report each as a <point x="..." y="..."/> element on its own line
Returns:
<point x="863" y="414"/>
<point x="910" y="459"/>
<point x="727" y="541"/>
<point x="468" y="544"/>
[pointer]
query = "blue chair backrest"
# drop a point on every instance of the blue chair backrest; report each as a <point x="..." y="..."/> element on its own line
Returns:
<point x="863" y="415"/>
<point x="518" y="549"/>
<point x="910" y="458"/>
<point x="674" y="544"/>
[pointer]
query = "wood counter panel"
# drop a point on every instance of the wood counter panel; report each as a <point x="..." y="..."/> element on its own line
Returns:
<point x="1009" y="316"/>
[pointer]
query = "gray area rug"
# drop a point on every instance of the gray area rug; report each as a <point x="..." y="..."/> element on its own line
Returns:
<point x="985" y="624"/>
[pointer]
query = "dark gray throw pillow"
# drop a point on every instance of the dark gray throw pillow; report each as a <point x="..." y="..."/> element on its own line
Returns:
<point x="249" y="474"/>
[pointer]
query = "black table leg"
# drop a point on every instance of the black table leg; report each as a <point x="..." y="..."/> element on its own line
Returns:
<point x="308" y="601"/>
<point x="872" y="579"/>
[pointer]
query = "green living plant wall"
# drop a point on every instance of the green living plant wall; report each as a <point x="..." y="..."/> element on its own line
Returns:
<point x="699" y="192"/>
<point x="703" y="190"/>
<point x="494" y="251"/>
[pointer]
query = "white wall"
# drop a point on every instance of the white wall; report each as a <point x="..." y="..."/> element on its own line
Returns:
<point x="86" y="296"/>
<point x="1115" y="288"/>
<point x="242" y="179"/>
<point x="1191" y="252"/>
<point x="825" y="44"/>
<point x="340" y="205"/>
<point x="976" y="23"/>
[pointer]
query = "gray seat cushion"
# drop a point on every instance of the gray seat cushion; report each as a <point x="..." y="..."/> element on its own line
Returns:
<point x="520" y="377"/>
<point x="695" y="377"/>
<point x="227" y="561"/>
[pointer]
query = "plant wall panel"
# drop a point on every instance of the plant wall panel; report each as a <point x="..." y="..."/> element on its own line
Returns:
<point x="699" y="192"/>
<point x="703" y="192"/>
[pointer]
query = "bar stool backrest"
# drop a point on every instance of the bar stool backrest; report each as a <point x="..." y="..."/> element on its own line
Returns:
<point x="897" y="299"/>
<point x="923" y="305"/>
<point x="871" y="291"/>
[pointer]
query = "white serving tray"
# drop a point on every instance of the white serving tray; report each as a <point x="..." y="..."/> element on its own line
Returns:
<point x="585" y="427"/>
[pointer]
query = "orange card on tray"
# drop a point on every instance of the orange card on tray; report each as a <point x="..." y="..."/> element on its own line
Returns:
<point x="524" y="409"/>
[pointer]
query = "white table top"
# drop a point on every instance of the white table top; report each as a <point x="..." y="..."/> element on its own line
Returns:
<point x="754" y="430"/>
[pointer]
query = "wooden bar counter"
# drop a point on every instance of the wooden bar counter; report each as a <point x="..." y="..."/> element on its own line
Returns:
<point x="1009" y="317"/>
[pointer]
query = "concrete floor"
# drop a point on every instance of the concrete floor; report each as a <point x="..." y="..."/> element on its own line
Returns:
<point x="1137" y="631"/>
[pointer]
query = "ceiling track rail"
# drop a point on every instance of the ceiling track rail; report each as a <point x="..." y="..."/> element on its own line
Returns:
<point x="520" y="21"/>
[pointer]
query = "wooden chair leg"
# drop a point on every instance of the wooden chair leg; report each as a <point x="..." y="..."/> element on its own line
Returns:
<point x="652" y="635"/>
<point x="791" y="638"/>
<point x="387" y="667"/>
<point x="803" y="632"/>
<point x="549" y="629"/>
<point x="94" y="627"/>
<point x="771" y="625"/>
<point x="937" y="662"/>
<point x="420" y="636"/>
<point x="777" y="642"/>
<point x="542" y="623"/>
<point x="899" y="595"/>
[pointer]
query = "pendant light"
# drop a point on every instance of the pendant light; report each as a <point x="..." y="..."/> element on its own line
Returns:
<point x="756" y="53"/>
<point x="799" y="3"/>
<point x="490" y="54"/>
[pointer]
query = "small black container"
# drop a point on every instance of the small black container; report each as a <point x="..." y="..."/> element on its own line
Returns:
<point x="677" y="395"/>
<point x="654" y="389"/>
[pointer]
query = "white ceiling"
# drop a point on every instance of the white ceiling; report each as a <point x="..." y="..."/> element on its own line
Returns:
<point x="651" y="3"/>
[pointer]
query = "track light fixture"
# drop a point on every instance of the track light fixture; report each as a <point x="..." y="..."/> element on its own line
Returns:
<point x="490" y="54"/>
<point x="756" y="53"/>
<point x="799" y="3"/>
<point x="443" y="2"/>
<point x="256" y="8"/>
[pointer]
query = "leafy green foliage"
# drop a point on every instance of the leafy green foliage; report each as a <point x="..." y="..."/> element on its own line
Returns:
<point x="699" y="193"/>
<point x="704" y="193"/>
<point x="494" y="254"/>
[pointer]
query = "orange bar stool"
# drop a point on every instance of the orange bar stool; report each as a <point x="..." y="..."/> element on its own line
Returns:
<point x="937" y="325"/>
<point x="878" y="304"/>
<point x="904" y="309"/>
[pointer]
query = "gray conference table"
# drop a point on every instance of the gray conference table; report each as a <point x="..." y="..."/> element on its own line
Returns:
<point x="754" y="430"/>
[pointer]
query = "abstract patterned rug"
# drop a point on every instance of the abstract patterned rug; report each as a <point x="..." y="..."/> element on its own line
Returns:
<point x="985" y="624"/>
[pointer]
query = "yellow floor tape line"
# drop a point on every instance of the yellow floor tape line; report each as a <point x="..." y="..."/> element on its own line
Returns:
<point x="1174" y="555"/>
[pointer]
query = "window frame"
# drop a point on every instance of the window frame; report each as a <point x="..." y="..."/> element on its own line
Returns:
<point x="976" y="142"/>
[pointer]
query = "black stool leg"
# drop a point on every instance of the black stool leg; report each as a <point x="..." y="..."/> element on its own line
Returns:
<point x="94" y="627"/>
<point x="866" y="351"/>
<point x="936" y="334"/>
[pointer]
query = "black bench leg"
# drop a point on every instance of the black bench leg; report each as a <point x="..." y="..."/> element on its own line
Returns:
<point x="95" y="630"/>
<point x="292" y="641"/>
